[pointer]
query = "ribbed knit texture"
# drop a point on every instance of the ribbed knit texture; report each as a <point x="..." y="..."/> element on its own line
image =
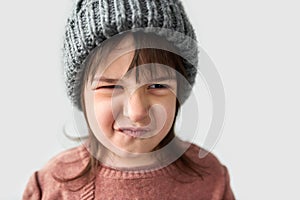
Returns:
<point x="94" y="21"/>
<point x="115" y="184"/>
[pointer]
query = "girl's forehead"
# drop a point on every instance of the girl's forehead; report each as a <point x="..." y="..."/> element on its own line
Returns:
<point x="117" y="57"/>
<point x="122" y="58"/>
<point x="116" y="65"/>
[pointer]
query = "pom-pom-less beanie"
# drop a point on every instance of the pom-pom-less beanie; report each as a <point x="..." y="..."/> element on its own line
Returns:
<point x="94" y="21"/>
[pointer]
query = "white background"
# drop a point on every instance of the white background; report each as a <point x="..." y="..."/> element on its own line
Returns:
<point x="255" y="46"/>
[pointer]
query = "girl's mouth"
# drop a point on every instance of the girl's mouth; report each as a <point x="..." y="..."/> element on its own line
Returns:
<point x="134" y="132"/>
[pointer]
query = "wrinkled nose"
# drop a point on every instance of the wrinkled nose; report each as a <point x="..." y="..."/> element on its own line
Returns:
<point x="137" y="107"/>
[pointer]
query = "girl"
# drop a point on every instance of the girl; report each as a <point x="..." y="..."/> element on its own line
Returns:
<point x="129" y="66"/>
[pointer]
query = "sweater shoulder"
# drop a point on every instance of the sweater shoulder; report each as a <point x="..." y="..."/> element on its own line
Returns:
<point x="218" y="175"/>
<point x="45" y="184"/>
<point x="67" y="164"/>
<point x="205" y="159"/>
<point x="68" y="155"/>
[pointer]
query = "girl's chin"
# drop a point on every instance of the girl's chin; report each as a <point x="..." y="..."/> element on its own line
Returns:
<point x="121" y="143"/>
<point x="124" y="144"/>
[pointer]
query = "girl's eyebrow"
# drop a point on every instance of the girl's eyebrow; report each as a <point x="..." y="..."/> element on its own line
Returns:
<point x="164" y="78"/>
<point x="105" y="79"/>
<point x="113" y="80"/>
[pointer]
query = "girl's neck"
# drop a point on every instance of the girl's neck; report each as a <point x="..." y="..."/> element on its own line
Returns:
<point x="150" y="161"/>
<point x="139" y="162"/>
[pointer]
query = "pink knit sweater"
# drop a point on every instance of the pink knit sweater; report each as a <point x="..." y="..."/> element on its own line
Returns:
<point x="114" y="184"/>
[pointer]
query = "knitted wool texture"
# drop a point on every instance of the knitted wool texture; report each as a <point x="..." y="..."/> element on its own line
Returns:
<point x="93" y="21"/>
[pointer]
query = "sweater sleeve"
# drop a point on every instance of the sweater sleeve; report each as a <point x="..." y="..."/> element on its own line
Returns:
<point x="228" y="194"/>
<point x="33" y="190"/>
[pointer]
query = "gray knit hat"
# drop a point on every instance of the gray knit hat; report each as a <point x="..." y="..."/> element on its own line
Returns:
<point x="94" y="21"/>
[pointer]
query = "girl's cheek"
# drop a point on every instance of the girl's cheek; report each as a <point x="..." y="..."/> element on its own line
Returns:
<point x="104" y="118"/>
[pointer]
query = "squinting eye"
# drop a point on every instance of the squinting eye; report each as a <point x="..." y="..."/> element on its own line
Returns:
<point x="158" y="86"/>
<point x="110" y="87"/>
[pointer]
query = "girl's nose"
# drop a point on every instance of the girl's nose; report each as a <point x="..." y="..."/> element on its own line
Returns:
<point x="137" y="107"/>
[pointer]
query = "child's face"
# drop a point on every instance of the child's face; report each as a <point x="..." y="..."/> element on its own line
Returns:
<point x="129" y="111"/>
